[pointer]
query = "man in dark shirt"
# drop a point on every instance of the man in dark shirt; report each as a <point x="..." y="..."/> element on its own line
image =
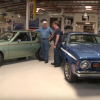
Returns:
<point x="57" y="44"/>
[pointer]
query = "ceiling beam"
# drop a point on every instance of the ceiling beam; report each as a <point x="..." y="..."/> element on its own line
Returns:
<point x="13" y="5"/>
<point x="51" y="5"/>
<point x="79" y="9"/>
<point x="80" y="4"/>
<point x="84" y="12"/>
<point x="17" y="10"/>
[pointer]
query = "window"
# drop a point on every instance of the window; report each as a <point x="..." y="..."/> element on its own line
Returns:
<point x="82" y="38"/>
<point x="23" y="37"/>
<point x="7" y="36"/>
<point x="98" y="39"/>
<point x="34" y="35"/>
<point x="64" y="38"/>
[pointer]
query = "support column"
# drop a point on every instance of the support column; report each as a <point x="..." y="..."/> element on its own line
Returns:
<point x="27" y="12"/>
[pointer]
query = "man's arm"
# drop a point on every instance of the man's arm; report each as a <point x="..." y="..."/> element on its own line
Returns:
<point x="51" y="37"/>
<point x="57" y="39"/>
<point x="52" y="34"/>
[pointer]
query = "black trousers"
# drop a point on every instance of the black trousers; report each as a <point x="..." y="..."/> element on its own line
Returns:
<point x="57" y="54"/>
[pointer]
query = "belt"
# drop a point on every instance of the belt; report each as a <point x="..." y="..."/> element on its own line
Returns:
<point x="44" y="38"/>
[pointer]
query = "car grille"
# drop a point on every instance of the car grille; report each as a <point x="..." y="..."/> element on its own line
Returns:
<point x="95" y="68"/>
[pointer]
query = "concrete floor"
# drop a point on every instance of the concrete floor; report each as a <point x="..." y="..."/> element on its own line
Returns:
<point x="34" y="80"/>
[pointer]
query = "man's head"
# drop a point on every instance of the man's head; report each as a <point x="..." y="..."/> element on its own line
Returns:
<point x="44" y="24"/>
<point x="55" y="24"/>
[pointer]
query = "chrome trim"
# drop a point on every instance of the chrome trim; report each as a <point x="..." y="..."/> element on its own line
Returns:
<point x="86" y="61"/>
<point x="88" y="74"/>
<point x="68" y="53"/>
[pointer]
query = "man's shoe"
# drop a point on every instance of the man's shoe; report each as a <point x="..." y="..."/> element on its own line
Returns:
<point x="53" y="64"/>
<point x="41" y="60"/>
<point x="57" y="65"/>
<point x="46" y="61"/>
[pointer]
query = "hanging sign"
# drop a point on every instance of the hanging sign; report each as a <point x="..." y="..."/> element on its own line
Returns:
<point x="32" y="9"/>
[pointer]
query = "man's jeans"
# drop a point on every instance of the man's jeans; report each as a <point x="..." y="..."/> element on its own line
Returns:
<point x="45" y="49"/>
<point x="57" y="60"/>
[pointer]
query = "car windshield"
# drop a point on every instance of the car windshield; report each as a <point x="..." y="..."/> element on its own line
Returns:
<point x="84" y="39"/>
<point x="7" y="36"/>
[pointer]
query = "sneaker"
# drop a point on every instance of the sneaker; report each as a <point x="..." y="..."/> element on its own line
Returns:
<point x="57" y="65"/>
<point x="53" y="64"/>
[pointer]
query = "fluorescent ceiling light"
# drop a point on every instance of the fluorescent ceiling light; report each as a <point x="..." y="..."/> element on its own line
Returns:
<point x="88" y="7"/>
<point x="87" y="23"/>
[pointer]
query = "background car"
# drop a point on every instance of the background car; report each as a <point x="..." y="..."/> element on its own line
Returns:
<point x="81" y="55"/>
<point x="17" y="44"/>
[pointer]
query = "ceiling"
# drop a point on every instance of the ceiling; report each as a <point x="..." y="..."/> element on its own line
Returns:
<point x="51" y="7"/>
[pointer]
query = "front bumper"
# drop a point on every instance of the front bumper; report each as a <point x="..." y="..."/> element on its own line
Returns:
<point x="87" y="74"/>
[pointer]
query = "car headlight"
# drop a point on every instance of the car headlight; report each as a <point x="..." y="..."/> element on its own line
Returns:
<point x="84" y="64"/>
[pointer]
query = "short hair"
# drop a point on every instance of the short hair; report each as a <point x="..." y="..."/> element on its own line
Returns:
<point x="56" y="22"/>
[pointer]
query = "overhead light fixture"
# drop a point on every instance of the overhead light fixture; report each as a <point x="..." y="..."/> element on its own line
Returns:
<point x="37" y="9"/>
<point x="85" y="14"/>
<point x="18" y="15"/>
<point x="87" y="23"/>
<point x="88" y="7"/>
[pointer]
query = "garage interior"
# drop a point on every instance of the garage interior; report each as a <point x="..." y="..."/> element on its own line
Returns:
<point x="34" y="80"/>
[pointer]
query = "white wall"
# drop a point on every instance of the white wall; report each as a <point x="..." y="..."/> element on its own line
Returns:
<point x="56" y="16"/>
<point x="78" y="18"/>
<point x="79" y="28"/>
<point x="9" y="15"/>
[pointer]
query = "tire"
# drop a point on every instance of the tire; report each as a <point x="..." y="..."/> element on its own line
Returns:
<point x="1" y="59"/>
<point x="69" y="76"/>
<point x="38" y="54"/>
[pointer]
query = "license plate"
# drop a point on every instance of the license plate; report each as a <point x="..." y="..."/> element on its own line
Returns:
<point x="95" y="65"/>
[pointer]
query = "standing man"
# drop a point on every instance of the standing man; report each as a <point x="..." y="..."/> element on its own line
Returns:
<point x="57" y="44"/>
<point x="46" y="35"/>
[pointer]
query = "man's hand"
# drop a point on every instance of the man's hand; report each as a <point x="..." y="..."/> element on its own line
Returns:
<point x="49" y="39"/>
<point x="54" y="47"/>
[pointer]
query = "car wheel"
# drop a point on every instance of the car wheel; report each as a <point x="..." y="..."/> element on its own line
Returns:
<point x="69" y="76"/>
<point x="38" y="54"/>
<point x="1" y="59"/>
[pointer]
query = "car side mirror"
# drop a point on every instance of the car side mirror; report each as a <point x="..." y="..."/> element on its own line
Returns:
<point x="63" y="43"/>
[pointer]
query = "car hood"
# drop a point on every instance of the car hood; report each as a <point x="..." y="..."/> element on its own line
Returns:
<point x="86" y="51"/>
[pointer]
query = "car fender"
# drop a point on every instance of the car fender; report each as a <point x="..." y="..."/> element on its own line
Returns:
<point x="72" y="59"/>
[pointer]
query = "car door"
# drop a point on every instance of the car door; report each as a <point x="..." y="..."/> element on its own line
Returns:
<point x="35" y="45"/>
<point x="64" y="47"/>
<point x="20" y="46"/>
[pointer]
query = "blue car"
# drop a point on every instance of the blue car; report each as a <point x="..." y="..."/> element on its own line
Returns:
<point x="81" y="54"/>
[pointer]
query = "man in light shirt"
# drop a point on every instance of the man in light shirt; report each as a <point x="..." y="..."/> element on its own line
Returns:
<point x="46" y="35"/>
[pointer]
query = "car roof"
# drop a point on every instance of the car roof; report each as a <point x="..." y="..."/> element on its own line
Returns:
<point x="19" y="31"/>
<point x="66" y="33"/>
